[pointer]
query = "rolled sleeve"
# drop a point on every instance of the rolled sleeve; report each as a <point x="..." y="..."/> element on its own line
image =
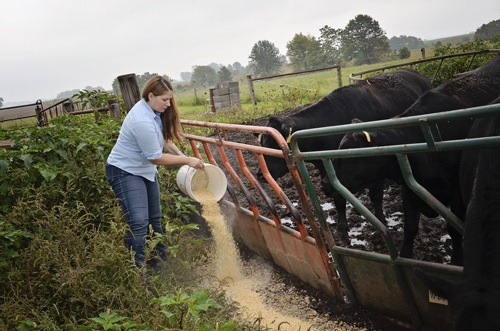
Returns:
<point x="147" y="138"/>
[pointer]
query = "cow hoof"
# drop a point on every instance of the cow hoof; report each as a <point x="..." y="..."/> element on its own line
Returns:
<point x="343" y="233"/>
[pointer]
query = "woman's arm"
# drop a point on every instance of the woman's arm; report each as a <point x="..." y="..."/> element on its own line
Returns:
<point x="175" y="160"/>
<point x="172" y="148"/>
<point x="176" y="157"/>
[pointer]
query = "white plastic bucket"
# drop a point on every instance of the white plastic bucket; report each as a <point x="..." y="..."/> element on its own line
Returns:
<point x="190" y="179"/>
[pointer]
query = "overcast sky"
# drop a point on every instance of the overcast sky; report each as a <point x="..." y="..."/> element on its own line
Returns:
<point x="51" y="46"/>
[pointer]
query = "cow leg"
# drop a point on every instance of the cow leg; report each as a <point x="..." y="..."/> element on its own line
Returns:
<point x="340" y="206"/>
<point x="457" y="256"/>
<point x="411" y="223"/>
<point x="457" y="206"/>
<point x="376" y="194"/>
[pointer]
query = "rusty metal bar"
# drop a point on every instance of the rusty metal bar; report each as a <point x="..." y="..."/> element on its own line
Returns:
<point x="281" y="195"/>
<point x="258" y="188"/>
<point x="259" y="151"/>
<point x="296" y="73"/>
<point x="251" y="80"/>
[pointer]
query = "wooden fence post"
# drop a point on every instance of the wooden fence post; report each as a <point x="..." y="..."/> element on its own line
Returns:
<point x="39" y="113"/>
<point x="114" y="109"/>
<point x="211" y="99"/>
<point x="252" y="92"/>
<point x="68" y="106"/>
<point x="130" y="90"/>
<point x="339" y="75"/>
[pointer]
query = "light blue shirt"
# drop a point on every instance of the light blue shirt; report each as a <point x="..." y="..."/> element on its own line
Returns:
<point x="140" y="140"/>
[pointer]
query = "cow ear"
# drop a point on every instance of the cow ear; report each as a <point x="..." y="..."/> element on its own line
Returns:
<point x="274" y="122"/>
<point x="283" y="125"/>
<point x="287" y="130"/>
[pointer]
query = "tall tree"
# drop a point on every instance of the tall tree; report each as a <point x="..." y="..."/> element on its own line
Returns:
<point x="330" y="42"/>
<point x="304" y="52"/>
<point x="488" y="31"/>
<point x="1" y="102"/>
<point x="364" y="41"/>
<point x="265" y="58"/>
<point x="203" y="76"/>
<point x="404" y="53"/>
<point x="215" y="66"/>
<point x="410" y="42"/>
<point x="224" y="75"/>
<point x="236" y="69"/>
<point x="186" y="75"/>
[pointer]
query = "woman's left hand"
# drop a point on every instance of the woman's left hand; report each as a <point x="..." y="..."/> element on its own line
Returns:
<point x="196" y="163"/>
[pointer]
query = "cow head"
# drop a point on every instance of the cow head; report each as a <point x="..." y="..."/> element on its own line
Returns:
<point x="277" y="166"/>
<point x="357" y="173"/>
<point x="348" y="172"/>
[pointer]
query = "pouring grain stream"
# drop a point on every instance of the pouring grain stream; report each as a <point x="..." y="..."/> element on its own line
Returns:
<point x="229" y="272"/>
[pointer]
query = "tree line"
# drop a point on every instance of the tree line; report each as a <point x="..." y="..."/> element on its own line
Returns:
<point x="362" y="41"/>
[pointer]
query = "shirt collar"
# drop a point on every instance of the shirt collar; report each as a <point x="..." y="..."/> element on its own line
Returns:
<point x="153" y="112"/>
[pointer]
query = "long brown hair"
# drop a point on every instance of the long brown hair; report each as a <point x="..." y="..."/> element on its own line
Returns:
<point x="172" y="129"/>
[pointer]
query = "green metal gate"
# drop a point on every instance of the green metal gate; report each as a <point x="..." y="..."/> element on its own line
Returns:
<point x="386" y="282"/>
<point x="383" y="282"/>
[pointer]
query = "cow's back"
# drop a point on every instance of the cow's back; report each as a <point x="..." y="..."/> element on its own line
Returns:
<point x="475" y="88"/>
<point x="486" y="76"/>
<point x="438" y="172"/>
<point x="378" y="97"/>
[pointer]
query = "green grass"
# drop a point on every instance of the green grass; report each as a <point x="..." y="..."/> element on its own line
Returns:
<point x="274" y="96"/>
<point x="450" y="40"/>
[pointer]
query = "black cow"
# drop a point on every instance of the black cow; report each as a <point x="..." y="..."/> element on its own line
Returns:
<point x="437" y="172"/>
<point x="474" y="300"/>
<point x="378" y="97"/>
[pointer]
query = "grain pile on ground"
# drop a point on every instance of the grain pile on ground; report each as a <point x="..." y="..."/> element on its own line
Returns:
<point x="266" y="296"/>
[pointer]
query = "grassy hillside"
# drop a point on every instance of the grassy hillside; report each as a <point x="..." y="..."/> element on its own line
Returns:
<point x="463" y="38"/>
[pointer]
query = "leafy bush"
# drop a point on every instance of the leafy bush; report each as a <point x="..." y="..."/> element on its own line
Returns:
<point x="63" y="262"/>
<point x="70" y="152"/>
<point x="404" y="53"/>
<point x="10" y="241"/>
<point x="451" y="66"/>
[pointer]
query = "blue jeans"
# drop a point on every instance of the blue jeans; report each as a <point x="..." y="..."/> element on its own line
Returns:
<point x="140" y="201"/>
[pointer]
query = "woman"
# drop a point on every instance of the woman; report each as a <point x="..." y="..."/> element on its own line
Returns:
<point x="151" y="126"/>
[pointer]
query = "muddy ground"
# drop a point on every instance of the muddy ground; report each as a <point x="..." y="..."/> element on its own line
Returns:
<point x="432" y="243"/>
